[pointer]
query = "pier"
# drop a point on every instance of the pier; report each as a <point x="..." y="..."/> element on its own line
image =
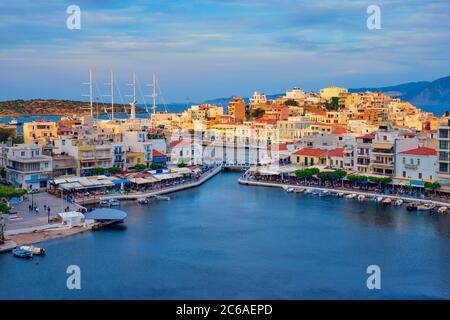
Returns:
<point x="249" y="182"/>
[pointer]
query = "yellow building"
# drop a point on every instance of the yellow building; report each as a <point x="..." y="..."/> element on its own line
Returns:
<point x="39" y="131"/>
<point x="133" y="158"/>
<point x="308" y="157"/>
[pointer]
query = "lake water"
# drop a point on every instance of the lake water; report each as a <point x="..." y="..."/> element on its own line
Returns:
<point x="227" y="241"/>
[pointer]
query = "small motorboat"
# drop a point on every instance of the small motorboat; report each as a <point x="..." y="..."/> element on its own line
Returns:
<point x="299" y="190"/>
<point x="361" y="198"/>
<point x="340" y="195"/>
<point x="34" y="250"/>
<point x="387" y="201"/>
<point x="142" y="201"/>
<point x="289" y="190"/>
<point x="398" y="202"/>
<point x="425" y="207"/>
<point x="324" y="193"/>
<point x="317" y="192"/>
<point x="104" y="203"/>
<point x="308" y="191"/>
<point x="114" y="203"/>
<point x="378" y="199"/>
<point x="21" y="253"/>
<point x="351" y="196"/>
<point x="412" y="207"/>
<point x="442" y="210"/>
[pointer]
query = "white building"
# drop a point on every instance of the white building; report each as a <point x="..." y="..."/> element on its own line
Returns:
<point x="295" y="94"/>
<point x="27" y="167"/>
<point x="419" y="164"/>
<point x="258" y="98"/>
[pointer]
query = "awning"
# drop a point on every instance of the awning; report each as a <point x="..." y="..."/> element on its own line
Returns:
<point x="386" y="146"/>
<point x="69" y="186"/>
<point x="120" y="181"/>
<point x="417" y="183"/>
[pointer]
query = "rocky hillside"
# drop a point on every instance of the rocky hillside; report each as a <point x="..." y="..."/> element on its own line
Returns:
<point x="20" y="108"/>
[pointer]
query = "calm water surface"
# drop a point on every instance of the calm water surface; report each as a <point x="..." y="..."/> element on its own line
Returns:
<point x="224" y="240"/>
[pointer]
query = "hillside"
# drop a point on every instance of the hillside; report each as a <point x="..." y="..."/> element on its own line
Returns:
<point x="20" y="108"/>
<point x="423" y="92"/>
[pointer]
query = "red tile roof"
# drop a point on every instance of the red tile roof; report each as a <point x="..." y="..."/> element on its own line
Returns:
<point x="278" y="147"/>
<point x="367" y="136"/>
<point x="339" y="131"/>
<point x="339" y="152"/>
<point x="179" y="143"/>
<point x="311" y="152"/>
<point x="156" y="153"/>
<point x="421" y="152"/>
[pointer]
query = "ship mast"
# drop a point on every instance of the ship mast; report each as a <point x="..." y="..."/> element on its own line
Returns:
<point x="133" y="103"/>
<point x="154" y="95"/>
<point x="91" y="107"/>
<point x="112" y="94"/>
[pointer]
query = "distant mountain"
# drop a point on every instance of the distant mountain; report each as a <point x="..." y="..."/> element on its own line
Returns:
<point x="422" y="93"/>
<point x="430" y="93"/>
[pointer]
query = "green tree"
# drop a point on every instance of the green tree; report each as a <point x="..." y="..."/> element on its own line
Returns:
<point x="4" y="208"/>
<point x="291" y="102"/>
<point x="97" y="171"/>
<point x="181" y="164"/>
<point x="11" y="192"/>
<point x="114" y="170"/>
<point x="140" y="167"/>
<point x="257" y="113"/>
<point x="6" y="133"/>
<point x="433" y="186"/>
<point x="156" y="165"/>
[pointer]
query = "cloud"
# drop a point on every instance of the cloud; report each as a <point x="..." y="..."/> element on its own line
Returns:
<point x="204" y="47"/>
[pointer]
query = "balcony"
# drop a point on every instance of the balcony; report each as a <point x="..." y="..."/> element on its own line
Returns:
<point x="411" y="166"/>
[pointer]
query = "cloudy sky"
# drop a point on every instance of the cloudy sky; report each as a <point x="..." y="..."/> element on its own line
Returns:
<point x="204" y="49"/>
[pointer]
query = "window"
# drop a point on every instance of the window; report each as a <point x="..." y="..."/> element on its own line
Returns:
<point x="418" y="162"/>
<point x="420" y="175"/>
<point x="404" y="160"/>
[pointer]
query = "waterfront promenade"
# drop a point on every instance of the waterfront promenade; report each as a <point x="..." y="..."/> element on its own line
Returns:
<point x="250" y="182"/>
<point x="205" y="177"/>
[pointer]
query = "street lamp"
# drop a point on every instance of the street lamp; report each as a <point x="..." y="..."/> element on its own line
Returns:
<point x="32" y="196"/>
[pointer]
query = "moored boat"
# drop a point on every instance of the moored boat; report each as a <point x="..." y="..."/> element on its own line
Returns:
<point x="412" y="207"/>
<point x="142" y="201"/>
<point x="425" y="207"/>
<point x="114" y="203"/>
<point x="398" y="202"/>
<point x="387" y="201"/>
<point x="24" y="254"/>
<point x="442" y="210"/>
<point x="299" y="190"/>
<point x="378" y="199"/>
<point x="361" y="198"/>
<point x="350" y="196"/>
<point x="340" y="195"/>
<point x="34" y="250"/>
<point x="104" y="203"/>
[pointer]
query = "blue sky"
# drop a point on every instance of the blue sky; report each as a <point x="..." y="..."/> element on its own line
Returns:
<point x="209" y="48"/>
